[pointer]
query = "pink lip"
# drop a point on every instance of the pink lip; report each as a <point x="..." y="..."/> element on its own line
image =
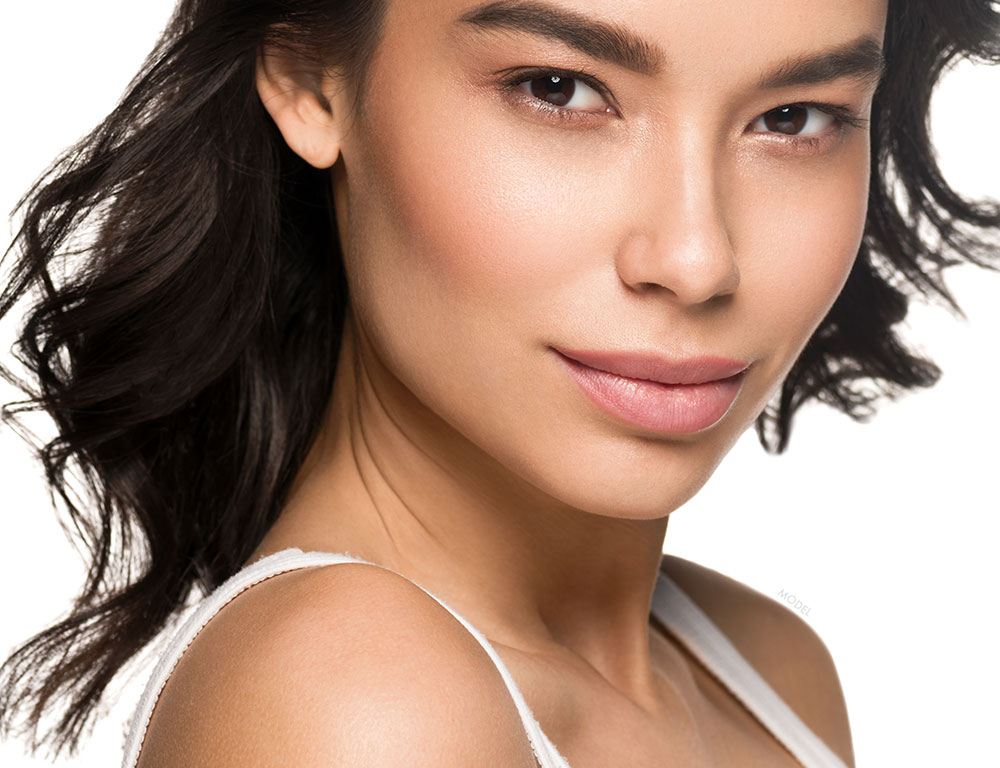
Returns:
<point x="658" y="393"/>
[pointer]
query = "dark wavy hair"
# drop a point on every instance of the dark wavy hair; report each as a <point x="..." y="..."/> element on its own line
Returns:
<point x="189" y="296"/>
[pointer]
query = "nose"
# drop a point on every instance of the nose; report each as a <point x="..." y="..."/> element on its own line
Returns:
<point x="682" y="245"/>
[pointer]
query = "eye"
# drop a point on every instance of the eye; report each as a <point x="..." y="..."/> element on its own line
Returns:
<point x="795" y="120"/>
<point x="560" y="91"/>
<point x="565" y="95"/>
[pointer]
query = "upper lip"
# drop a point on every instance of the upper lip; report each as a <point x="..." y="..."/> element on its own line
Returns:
<point x="653" y="367"/>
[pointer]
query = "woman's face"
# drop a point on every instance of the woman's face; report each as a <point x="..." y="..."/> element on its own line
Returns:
<point x="493" y="214"/>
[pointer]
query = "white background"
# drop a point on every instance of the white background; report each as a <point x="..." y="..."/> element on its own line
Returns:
<point x="887" y="530"/>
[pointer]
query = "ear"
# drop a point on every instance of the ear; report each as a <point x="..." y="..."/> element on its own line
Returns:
<point x="293" y="96"/>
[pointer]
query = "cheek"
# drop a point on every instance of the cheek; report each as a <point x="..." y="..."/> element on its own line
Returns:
<point x="443" y="245"/>
<point x="477" y="216"/>
<point x="467" y="228"/>
<point x="802" y="235"/>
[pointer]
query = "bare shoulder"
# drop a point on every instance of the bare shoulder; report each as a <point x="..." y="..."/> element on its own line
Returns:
<point x="345" y="665"/>
<point x="778" y="643"/>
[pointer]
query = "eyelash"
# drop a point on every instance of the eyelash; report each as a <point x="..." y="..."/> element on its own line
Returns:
<point x="842" y="113"/>
<point x="561" y="113"/>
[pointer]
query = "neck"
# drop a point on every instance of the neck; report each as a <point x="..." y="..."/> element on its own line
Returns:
<point x="389" y="481"/>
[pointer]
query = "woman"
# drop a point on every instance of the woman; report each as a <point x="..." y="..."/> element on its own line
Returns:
<point x="360" y="276"/>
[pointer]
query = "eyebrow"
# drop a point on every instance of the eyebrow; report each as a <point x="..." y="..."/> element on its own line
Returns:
<point x="600" y="40"/>
<point x="860" y="59"/>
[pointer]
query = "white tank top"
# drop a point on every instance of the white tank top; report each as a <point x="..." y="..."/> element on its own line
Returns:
<point x="674" y="609"/>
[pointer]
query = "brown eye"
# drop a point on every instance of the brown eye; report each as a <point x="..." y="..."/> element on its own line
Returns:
<point x="558" y="91"/>
<point x="788" y="120"/>
<point x="791" y="119"/>
<point x="554" y="89"/>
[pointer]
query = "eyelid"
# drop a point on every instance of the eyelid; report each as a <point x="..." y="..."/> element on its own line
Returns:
<point x="844" y="119"/>
<point x="523" y="75"/>
<point x="842" y="112"/>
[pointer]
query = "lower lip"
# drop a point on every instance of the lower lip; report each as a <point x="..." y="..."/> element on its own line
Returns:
<point x="669" y="408"/>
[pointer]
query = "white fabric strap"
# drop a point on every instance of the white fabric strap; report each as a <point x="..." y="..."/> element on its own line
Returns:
<point x="711" y="647"/>
<point x="286" y="560"/>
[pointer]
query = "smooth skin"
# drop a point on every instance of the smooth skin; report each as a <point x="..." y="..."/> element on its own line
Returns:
<point x="479" y="230"/>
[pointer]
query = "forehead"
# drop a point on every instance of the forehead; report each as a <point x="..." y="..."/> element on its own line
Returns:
<point x="660" y="38"/>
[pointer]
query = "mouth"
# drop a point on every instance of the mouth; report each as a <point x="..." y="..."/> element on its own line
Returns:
<point x="666" y="395"/>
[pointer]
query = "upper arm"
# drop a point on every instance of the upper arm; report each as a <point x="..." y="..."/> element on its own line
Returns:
<point x="779" y="644"/>
<point x="350" y="665"/>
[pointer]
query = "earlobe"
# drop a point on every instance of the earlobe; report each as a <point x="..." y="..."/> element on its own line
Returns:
<point x="292" y="97"/>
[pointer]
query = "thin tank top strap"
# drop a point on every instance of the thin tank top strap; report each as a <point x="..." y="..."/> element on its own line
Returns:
<point x="700" y="635"/>
<point x="545" y="752"/>
<point x="246" y="577"/>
